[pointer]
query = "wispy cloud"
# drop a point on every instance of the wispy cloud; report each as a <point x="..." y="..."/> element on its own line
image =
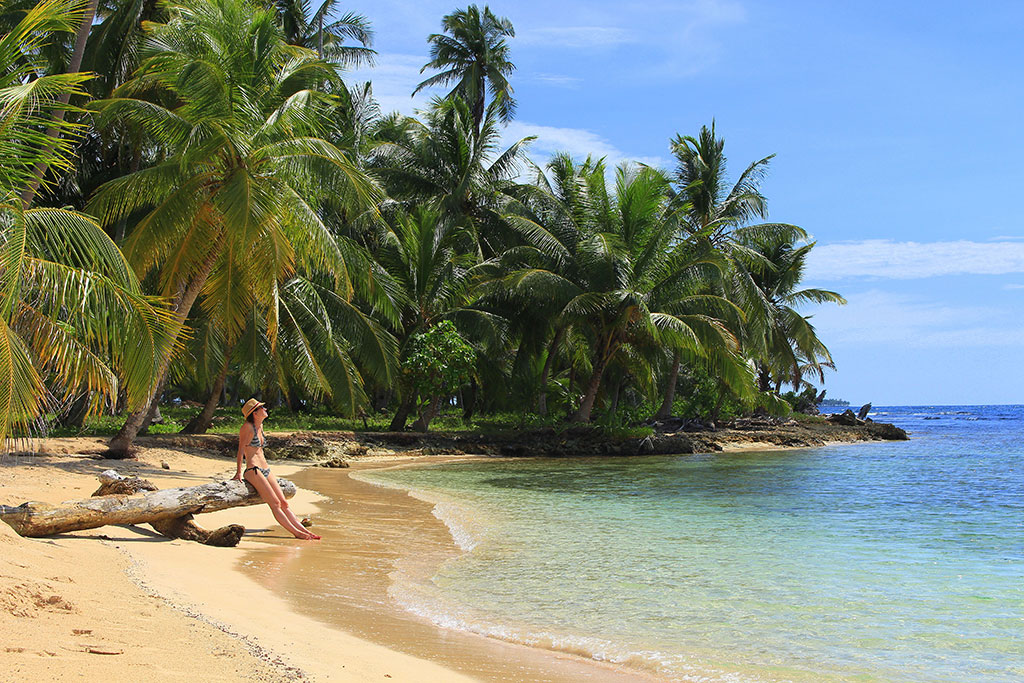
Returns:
<point x="575" y="141"/>
<point x="1013" y="286"/>
<point x="910" y="260"/>
<point x="588" y="37"/>
<point x="879" y="318"/>
<point x="558" y="80"/>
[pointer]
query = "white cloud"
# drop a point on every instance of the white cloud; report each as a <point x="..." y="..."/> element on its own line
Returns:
<point x="575" y="141"/>
<point x="910" y="260"/>
<point x="879" y="318"/>
<point x="1013" y="286"/>
<point x="590" y="37"/>
<point x="558" y="80"/>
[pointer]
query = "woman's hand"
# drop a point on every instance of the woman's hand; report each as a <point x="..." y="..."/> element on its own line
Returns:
<point x="237" y="477"/>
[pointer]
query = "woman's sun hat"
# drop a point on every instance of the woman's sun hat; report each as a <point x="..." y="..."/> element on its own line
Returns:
<point x="251" y="405"/>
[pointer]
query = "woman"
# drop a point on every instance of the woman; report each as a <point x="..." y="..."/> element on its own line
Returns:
<point x="250" y="444"/>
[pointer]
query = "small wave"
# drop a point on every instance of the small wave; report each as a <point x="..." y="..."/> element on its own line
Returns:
<point x="454" y="517"/>
<point x="674" y="666"/>
<point x="466" y="528"/>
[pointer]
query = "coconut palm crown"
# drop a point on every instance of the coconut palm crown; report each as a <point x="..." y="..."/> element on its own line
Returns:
<point x="473" y="54"/>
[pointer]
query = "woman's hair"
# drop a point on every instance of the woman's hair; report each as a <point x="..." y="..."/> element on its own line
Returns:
<point x="248" y="418"/>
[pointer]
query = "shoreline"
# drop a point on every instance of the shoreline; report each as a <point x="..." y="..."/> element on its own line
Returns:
<point x="251" y="626"/>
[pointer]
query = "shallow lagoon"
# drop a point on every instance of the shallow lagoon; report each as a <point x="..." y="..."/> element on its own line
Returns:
<point x="880" y="561"/>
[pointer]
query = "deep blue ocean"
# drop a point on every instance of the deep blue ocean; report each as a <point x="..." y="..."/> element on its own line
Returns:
<point x="882" y="561"/>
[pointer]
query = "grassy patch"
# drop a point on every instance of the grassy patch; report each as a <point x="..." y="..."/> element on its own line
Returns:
<point x="227" y="420"/>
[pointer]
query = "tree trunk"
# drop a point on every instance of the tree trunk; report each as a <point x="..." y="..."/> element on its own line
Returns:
<point x="153" y="416"/>
<point x="201" y="422"/>
<point x="79" y="408"/>
<point x="469" y="402"/>
<point x="764" y="378"/>
<point x="402" y="416"/>
<point x="542" y="399"/>
<point x="121" y="445"/>
<point x="583" y="413"/>
<point x="40" y="519"/>
<point x="665" y="411"/>
<point x="422" y="423"/>
<point x="53" y="132"/>
<point x="615" y="398"/>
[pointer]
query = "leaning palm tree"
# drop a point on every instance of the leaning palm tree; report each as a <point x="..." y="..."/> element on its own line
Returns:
<point x="473" y="54"/>
<point x="235" y="206"/>
<point x="73" y="320"/>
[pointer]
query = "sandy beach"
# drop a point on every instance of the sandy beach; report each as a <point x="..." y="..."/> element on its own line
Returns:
<point x="123" y="602"/>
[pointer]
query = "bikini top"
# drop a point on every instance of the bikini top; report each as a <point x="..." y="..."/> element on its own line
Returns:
<point x="256" y="441"/>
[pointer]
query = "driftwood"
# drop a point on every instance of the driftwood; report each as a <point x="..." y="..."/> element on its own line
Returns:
<point x="168" y="511"/>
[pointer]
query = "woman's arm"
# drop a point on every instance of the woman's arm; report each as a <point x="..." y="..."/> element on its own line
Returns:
<point x="241" y="453"/>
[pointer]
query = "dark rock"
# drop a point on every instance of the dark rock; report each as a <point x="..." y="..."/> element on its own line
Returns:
<point x="864" y="410"/>
<point x="845" y="418"/>
<point x="298" y="446"/>
<point x="889" y="432"/>
<point x="333" y="462"/>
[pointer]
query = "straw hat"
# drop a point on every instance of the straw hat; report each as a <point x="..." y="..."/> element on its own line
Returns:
<point x="251" y="405"/>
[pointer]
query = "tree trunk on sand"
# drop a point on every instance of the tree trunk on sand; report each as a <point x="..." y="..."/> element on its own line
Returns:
<point x="53" y="132"/>
<point x="121" y="445"/>
<point x="164" y="508"/>
<point x="201" y="422"/>
<point x="583" y="413"/>
<point x="665" y="411"/>
<point x="542" y="399"/>
<point x="422" y="423"/>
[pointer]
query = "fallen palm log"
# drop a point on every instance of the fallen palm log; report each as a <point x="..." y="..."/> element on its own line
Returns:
<point x="169" y="511"/>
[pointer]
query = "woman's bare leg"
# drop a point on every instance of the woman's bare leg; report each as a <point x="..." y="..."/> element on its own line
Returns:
<point x="284" y="504"/>
<point x="270" y="497"/>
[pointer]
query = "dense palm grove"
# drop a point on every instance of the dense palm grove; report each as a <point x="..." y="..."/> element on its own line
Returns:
<point x="198" y="205"/>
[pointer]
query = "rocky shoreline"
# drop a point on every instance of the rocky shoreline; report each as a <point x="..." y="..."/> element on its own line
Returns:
<point x="669" y="439"/>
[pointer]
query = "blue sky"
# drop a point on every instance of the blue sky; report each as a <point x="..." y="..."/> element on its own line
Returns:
<point x="899" y="137"/>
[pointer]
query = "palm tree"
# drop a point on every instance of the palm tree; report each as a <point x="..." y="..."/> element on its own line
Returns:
<point x="713" y="211"/>
<point x="442" y="162"/>
<point x="607" y="259"/>
<point x="784" y="343"/>
<point x="233" y="209"/>
<point x="72" y="315"/>
<point x="310" y="31"/>
<point x="474" y="55"/>
<point x="421" y="253"/>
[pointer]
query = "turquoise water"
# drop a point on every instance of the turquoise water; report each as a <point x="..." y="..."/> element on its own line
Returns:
<point x="897" y="561"/>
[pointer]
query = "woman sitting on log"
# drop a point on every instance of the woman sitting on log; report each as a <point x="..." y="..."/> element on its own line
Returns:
<point x="250" y="444"/>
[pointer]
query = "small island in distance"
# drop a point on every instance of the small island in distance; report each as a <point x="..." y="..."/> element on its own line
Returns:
<point x="834" y="402"/>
